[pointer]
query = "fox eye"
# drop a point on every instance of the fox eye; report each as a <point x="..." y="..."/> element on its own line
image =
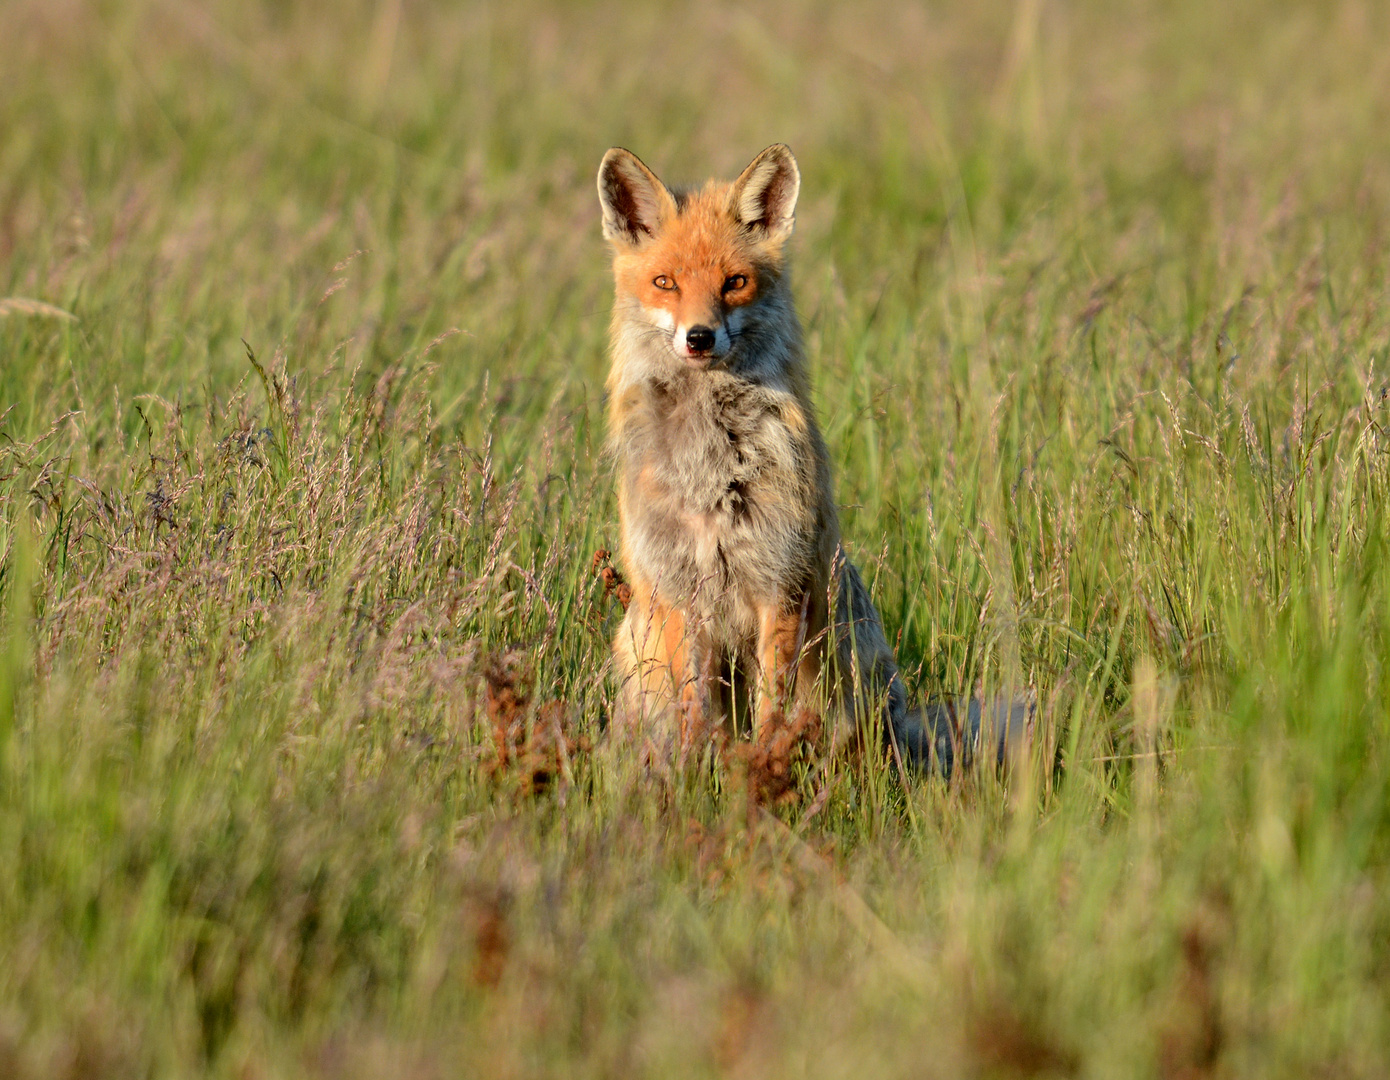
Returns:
<point x="663" y="282"/>
<point x="734" y="282"/>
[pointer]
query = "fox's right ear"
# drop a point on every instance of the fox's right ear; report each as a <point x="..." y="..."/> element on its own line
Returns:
<point x="634" y="201"/>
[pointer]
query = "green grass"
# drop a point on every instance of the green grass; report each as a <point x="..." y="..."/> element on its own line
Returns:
<point x="1098" y="303"/>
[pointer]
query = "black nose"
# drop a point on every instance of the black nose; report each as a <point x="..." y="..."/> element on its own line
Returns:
<point x="699" y="339"/>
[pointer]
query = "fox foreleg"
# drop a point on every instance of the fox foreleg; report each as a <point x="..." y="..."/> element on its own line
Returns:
<point x="786" y="659"/>
<point x="667" y="670"/>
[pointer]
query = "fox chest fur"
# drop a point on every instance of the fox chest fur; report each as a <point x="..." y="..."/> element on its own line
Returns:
<point x="719" y="483"/>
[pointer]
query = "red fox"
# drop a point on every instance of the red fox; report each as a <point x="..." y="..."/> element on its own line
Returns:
<point x="730" y="536"/>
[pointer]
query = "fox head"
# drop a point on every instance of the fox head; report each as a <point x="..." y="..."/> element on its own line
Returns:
<point x="700" y="274"/>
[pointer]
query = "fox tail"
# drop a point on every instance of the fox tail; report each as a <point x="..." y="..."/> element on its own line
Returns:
<point x="936" y="735"/>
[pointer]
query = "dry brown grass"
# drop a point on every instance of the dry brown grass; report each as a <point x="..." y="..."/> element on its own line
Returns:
<point x="533" y="744"/>
<point x="767" y="766"/>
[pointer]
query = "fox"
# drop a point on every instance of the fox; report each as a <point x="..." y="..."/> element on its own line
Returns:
<point x="729" y="530"/>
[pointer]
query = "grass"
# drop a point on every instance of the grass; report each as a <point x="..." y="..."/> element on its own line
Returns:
<point x="301" y="365"/>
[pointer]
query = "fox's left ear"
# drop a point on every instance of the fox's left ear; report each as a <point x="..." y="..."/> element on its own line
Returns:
<point x="765" y="194"/>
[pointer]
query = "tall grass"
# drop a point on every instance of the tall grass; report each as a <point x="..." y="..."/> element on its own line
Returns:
<point x="302" y="319"/>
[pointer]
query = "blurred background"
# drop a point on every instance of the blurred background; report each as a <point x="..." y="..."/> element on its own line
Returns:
<point x="203" y="167"/>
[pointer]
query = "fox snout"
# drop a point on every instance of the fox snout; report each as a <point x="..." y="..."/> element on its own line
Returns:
<point x="699" y="339"/>
<point x="701" y="344"/>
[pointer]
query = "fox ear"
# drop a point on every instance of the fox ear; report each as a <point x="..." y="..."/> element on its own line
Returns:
<point x="634" y="201"/>
<point x="765" y="194"/>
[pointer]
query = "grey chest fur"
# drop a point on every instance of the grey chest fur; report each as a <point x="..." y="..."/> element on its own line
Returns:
<point x="720" y="486"/>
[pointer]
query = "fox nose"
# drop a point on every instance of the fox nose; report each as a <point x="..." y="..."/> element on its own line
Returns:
<point x="699" y="339"/>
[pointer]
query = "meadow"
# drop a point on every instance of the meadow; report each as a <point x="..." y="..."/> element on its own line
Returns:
<point x="303" y="310"/>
